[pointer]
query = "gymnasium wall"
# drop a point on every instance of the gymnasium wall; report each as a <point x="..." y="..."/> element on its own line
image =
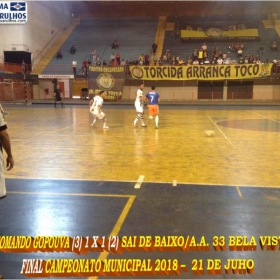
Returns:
<point x="262" y="90"/>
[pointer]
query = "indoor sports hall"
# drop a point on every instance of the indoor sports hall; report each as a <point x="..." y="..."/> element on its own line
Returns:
<point x="201" y="192"/>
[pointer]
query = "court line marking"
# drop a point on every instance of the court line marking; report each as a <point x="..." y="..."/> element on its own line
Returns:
<point x="221" y="131"/>
<point x="117" y="227"/>
<point x="239" y="192"/>
<point x="150" y="182"/>
<point x="264" y="116"/>
<point x="139" y="182"/>
<point x="174" y="183"/>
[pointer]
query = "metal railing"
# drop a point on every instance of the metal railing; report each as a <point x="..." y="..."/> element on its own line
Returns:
<point x="14" y="68"/>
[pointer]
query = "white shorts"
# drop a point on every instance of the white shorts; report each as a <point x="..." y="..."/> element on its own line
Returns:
<point x="2" y="178"/>
<point x="139" y="107"/>
<point x="98" y="115"/>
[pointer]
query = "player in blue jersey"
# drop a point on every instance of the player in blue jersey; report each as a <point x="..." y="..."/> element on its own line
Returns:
<point x="154" y="99"/>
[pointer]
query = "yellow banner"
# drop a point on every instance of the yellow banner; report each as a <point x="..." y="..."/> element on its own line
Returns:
<point x="201" y="72"/>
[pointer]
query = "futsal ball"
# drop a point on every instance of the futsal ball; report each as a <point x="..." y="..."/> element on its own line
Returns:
<point x="209" y="133"/>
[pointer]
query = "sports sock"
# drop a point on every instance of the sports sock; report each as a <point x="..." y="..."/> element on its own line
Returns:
<point x="156" y="120"/>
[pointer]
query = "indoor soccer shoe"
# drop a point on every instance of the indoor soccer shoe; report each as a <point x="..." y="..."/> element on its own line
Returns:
<point x="105" y="127"/>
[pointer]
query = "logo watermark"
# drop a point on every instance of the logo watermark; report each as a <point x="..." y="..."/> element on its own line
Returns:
<point x="13" y="12"/>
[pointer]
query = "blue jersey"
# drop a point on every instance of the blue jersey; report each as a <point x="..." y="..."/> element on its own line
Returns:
<point x="153" y="97"/>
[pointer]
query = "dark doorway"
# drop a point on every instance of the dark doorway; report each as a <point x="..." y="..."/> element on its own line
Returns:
<point x="210" y="90"/>
<point x="240" y="90"/>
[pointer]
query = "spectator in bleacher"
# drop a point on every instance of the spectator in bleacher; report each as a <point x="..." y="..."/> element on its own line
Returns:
<point x="236" y="47"/>
<point x="160" y="62"/>
<point x="206" y="61"/>
<point x="233" y="61"/>
<point x="155" y="58"/>
<point x="164" y="58"/>
<point x="252" y="59"/>
<point x="240" y="52"/>
<point x="98" y="61"/>
<point x="200" y="55"/>
<point x="215" y="49"/>
<point x="147" y="59"/>
<point x="195" y="62"/>
<point x="104" y="63"/>
<point x="204" y="47"/>
<point x="220" y="61"/>
<point x="154" y="48"/>
<point x="214" y="61"/>
<point x="231" y="48"/>
<point x="224" y="55"/>
<point x="242" y="46"/>
<point x="246" y="59"/>
<point x="258" y="60"/>
<point x="74" y="65"/>
<point x="241" y="60"/>
<point x="205" y="55"/>
<point x="115" y="63"/>
<point x="169" y="56"/>
<point x="118" y="58"/>
<point x="84" y="67"/>
<point x="177" y="59"/>
<point x="112" y="57"/>
<point x="23" y="67"/>
<point x="115" y="44"/>
<point x="249" y="58"/>
<point x="181" y="61"/>
<point x="58" y="54"/>
<point x="72" y="49"/>
<point x="123" y="63"/>
<point x="141" y="59"/>
<point x="189" y="61"/>
<point x="274" y="47"/>
<point x="227" y="60"/>
<point x="195" y="55"/>
<point x="94" y="54"/>
<point x="89" y="62"/>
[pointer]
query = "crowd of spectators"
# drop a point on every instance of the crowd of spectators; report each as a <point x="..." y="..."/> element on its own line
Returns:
<point x="235" y="53"/>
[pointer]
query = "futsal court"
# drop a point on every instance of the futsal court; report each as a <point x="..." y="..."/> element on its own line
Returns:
<point x="73" y="179"/>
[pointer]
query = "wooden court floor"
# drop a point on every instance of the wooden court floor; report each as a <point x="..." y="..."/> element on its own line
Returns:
<point x="89" y="179"/>
<point x="60" y="143"/>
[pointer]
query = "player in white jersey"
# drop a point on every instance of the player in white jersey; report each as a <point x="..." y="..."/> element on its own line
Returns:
<point x="139" y="106"/>
<point x="95" y="108"/>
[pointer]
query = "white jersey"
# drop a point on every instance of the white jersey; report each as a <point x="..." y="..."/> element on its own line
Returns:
<point x="138" y="102"/>
<point x="97" y="102"/>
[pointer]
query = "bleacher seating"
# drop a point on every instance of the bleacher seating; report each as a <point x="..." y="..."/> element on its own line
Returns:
<point x="185" y="50"/>
<point x="135" y="36"/>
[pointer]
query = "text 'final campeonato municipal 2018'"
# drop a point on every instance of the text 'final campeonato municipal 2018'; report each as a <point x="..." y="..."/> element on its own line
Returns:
<point x="13" y="12"/>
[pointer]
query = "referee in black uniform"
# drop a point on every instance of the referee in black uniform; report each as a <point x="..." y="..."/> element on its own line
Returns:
<point x="58" y="96"/>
